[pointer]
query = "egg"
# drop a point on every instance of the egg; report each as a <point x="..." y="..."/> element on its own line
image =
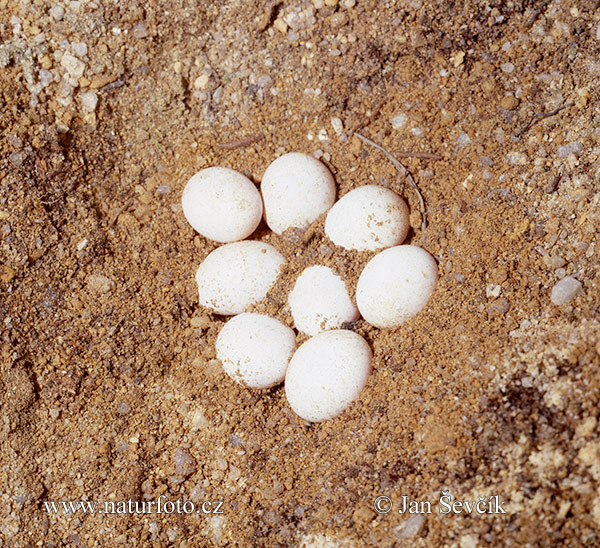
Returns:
<point x="327" y="373"/>
<point x="255" y="349"/>
<point x="395" y="285"/>
<point x="222" y="204"/>
<point x="320" y="301"/>
<point x="296" y="189"/>
<point x="237" y="275"/>
<point x="368" y="218"/>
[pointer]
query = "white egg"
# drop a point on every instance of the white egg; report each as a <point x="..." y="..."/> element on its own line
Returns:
<point x="395" y="285"/>
<point x="222" y="204"/>
<point x="327" y="373"/>
<point x="237" y="275"/>
<point x="367" y="218"/>
<point x="296" y="190"/>
<point x="320" y="301"/>
<point x="255" y="350"/>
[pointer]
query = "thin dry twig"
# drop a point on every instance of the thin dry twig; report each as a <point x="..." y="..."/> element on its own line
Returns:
<point x="111" y="85"/>
<point x="422" y="155"/>
<point x="240" y="143"/>
<point x="407" y="175"/>
<point x="536" y="14"/>
<point x="118" y="212"/>
<point x="540" y="116"/>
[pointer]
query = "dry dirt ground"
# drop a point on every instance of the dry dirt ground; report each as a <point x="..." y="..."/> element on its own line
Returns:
<point x="110" y="389"/>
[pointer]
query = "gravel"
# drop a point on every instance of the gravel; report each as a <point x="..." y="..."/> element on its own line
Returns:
<point x="565" y="290"/>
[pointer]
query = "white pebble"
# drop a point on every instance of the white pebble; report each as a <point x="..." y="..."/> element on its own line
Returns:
<point x="320" y="301"/>
<point x="337" y="125"/>
<point x="46" y="77"/>
<point x="368" y="218"/>
<point x="296" y="190"/>
<point x="255" y="350"/>
<point x="238" y="275"/>
<point x="57" y="12"/>
<point x="565" y="290"/>
<point x="395" y="285"/>
<point x="74" y="66"/>
<point x="327" y="373"/>
<point x="398" y="122"/>
<point x="222" y="204"/>
<point x="572" y="148"/>
<point x="79" y="48"/>
<point x="89" y="100"/>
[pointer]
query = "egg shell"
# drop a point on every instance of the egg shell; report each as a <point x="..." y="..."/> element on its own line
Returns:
<point x="368" y="218"/>
<point x="237" y="275"/>
<point x="327" y="373"/>
<point x="320" y="301"/>
<point x="222" y="204"/>
<point x="296" y="189"/>
<point x="255" y="349"/>
<point x="395" y="285"/>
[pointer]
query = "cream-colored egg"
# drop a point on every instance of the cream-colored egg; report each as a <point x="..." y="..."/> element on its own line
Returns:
<point x="327" y="373"/>
<point x="320" y="301"/>
<point x="296" y="189"/>
<point x="255" y="349"/>
<point x="237" y="275"/>
<point x="367" y="218"/>
<point x="395" y="285"/>
<point x="222" y="204"/>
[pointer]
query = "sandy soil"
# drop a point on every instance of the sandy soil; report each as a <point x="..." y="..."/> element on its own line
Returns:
<point x="110" y="389"/>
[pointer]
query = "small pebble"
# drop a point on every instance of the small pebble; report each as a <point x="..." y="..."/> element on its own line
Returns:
<point x="509" y="102"/>
<point x="237" y="275"/>
<point x="45" y="77"/>
<point x="327" y="373"/>
<point x="222" y="204"/>
<point x="201" y="82"/>
<point x="368" y="218"/>
<point x="337" y="125"/>
<point x="462" y="141"/>
<point x="565" y="290"/>
<point x="139" y="30"/>
<point x="572" y="148"/>
<point x="516" y="158"/>
<point x="79" y="48"/>
<point x="185" y="464"/>
<point x="554" y="261"/>
<point x="395" y="285"/>
<point x="398" y="122"/>
<point x="296" y="190"/>
<point x="100" y="283"/>
<point x="57" y="12"/>
<point x="411" y="527"/>
<point x="255" y="350"/>
<point x="74" y="66"/>
<point x="320" y="301"/>
<point x="89" y="101"/>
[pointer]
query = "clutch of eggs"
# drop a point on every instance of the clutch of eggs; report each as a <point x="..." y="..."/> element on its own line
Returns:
<point x="329" y="370"/>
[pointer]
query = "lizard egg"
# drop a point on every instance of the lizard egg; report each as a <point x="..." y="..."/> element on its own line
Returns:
<point x="320" y="301"/>
<point x="296" y="190"/>
<point x="367" y="218"/>
<point x="222" y="204"/>
<point x="255" y="350"/>
<point x="237" y="275"/>
<point x="395" y="285"/>
<point x="327" y="373"/>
